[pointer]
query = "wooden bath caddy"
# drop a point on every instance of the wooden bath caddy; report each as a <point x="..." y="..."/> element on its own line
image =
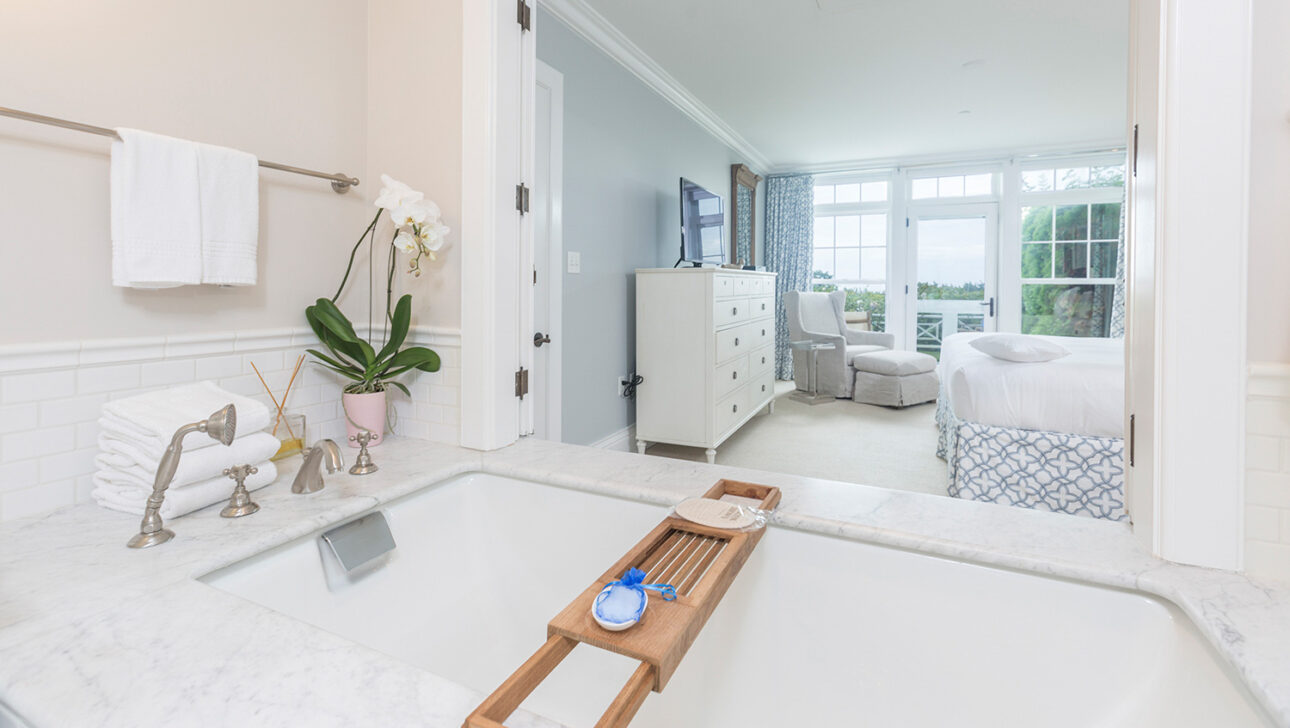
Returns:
<point x="699" y="561"/>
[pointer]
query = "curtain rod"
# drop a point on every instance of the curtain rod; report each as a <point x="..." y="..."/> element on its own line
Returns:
<point x="340" y="182"/>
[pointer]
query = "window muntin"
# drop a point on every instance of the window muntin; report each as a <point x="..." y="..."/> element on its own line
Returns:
<point x="952" y="186"/>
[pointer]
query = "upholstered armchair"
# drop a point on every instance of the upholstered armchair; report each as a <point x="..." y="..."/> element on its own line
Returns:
<point x="819" y="317"/>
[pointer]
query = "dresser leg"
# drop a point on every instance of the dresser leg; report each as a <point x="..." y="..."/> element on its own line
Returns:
<point x="712" y="456"/>
<point x="640" y="446"/>
<point x="770" y="408"/>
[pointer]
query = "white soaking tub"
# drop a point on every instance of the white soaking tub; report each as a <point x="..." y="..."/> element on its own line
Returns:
<point x="815" y="631"/>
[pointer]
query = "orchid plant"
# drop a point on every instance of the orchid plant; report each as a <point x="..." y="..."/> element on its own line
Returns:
<point x="419" y="233"/>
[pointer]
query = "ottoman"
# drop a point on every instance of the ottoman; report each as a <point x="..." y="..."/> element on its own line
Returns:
<point x="895" y="378"/>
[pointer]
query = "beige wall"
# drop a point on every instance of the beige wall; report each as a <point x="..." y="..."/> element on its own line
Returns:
<point x="414" y="134"/>
<point x="285" y="80"/>
<point x="1269" y="264"/>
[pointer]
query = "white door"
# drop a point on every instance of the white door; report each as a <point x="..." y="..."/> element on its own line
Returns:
<point x="953" y="267"/>
<point x="547" y="199"/>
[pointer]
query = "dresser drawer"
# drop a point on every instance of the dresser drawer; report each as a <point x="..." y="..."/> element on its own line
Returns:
<point x="736" y="341"/>
<point x="761" y="307"/>
<point x="762" y="285"/>
<point x="730" y="410"/>
<point x="759" y="333"/>
<point x="730" y="311"/>
<point x="730" y="376"/>
<point x="761" y="388"/>
<point x="724" y="286"/>
<point x="761" y="361"/>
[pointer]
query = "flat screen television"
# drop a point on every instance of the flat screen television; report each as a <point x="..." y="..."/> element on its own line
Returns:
<point x="703" y="224"/>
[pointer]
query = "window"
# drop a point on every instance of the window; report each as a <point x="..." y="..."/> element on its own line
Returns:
<point x="852" y="227"/>
<point x="1070" y="239"/>
<point x="962" y="185"/>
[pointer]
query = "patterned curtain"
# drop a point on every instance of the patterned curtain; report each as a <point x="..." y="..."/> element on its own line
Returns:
<point x="790" y="226"/>
<point x="1117" y="302"/>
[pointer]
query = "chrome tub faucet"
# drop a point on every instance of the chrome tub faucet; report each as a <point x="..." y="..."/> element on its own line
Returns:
<point x="309" y="477"/>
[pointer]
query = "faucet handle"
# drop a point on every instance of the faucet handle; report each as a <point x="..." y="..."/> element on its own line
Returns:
<point x="240" y="503"/>
<point x="363" y="463"/>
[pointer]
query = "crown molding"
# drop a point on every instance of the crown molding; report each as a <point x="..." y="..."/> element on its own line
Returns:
<point x="1055" y="151"/>
<point x="593" y="27"/>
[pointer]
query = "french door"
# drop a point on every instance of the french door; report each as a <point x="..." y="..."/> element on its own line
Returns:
<point x="952" y="265"/>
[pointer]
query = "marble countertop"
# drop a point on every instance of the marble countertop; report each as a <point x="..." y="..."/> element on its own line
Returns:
<point x="94" y="633"/>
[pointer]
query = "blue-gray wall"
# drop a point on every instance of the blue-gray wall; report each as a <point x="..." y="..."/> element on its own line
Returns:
<point x="625" y="149"/>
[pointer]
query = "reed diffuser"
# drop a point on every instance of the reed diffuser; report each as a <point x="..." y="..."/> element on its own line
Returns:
<point x="288" y="428"/>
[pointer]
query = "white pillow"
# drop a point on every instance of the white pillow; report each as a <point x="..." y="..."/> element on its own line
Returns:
<point x="1019" y="347"/>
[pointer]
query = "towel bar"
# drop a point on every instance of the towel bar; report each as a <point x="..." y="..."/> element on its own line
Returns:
<point x="340" y="182"/>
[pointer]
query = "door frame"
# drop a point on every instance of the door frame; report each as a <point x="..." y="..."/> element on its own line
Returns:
<point x="941" y="210"/>
<point x="553" y="81"/>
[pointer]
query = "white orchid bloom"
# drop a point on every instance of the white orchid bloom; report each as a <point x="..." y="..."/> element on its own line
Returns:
<point x="407" y="242"/>
<point x="413" y="213"/>
<point x="395" y="194"/>
<point x="433" y="235"/>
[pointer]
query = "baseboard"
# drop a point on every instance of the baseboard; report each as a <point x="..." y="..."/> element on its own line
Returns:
<point x="624" y="440"/>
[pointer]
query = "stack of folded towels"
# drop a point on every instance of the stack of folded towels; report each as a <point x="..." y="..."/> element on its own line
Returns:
<point x="135" y="432"/>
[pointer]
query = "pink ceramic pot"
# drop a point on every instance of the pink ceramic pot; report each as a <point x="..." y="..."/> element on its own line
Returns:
<point x="368" y="410"/>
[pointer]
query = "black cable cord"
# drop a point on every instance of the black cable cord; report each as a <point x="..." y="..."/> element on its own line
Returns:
<point x="629" y="391"/>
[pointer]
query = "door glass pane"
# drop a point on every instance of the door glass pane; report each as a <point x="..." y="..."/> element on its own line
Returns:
<point x="951" y="187"/>
<point x="1072" y="222"/>
<point x="1072" y="179"/>
<point x="951" y="279"/>
<point x="873" y="192"/>
<point x="870" y="299"/>
<point x="1106" y="176"/>
<point x="847" y="193"/>
<point x="1066" y="310"/>
<point x="847" y="231"/>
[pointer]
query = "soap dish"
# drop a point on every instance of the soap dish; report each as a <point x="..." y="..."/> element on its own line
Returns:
<point x="621" y="603"/>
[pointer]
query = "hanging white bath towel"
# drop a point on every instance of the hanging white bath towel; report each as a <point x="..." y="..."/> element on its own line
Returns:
<point x="156" y="211"/>
<point x="229" y="188"/>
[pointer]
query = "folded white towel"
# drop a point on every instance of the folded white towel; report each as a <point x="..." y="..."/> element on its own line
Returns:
<point x="229" y="188"/>
<point x="149" y="420"/>
<point x="125" y="463"/>
<point x="181" y="500"/>
<point x="156" y="211"/>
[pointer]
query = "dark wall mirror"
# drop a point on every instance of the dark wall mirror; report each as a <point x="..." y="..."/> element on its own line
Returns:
<point x="743" y="204"/>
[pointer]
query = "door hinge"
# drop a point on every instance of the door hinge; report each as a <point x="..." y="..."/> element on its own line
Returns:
<point x="906" y="222"/>
<point x="522" y="198"/>
<point x="523" y="15"/>
<point x="1135" y="150"/>
<point x="1132" y="437"/>
<point x="521" y="382"/>
<point x="535" y="276"/>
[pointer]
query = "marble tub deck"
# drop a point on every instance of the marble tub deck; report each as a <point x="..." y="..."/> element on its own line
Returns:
<point x="92" y="633"/>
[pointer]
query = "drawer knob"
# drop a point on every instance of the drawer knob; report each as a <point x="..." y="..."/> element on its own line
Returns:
<point x="763" y="307"/>
<point x="734" y="375"/>
<point x="763" y="361"/>
<point x="736" y="341"/>
<point x="763" y="332"/>
<point x="763" y="387"/>
<point x="734" y="310"/>
<point x="734" y="408"/>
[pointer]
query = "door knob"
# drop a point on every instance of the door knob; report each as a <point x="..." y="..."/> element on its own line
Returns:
<point x="989" y="303"/>
<point x="539" y="339"/>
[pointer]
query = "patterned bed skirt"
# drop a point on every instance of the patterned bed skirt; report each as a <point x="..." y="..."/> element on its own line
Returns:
<point x="1047" y="471"/>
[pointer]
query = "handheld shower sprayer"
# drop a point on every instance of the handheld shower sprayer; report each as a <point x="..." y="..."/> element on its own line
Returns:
<point x="221" y="427"/>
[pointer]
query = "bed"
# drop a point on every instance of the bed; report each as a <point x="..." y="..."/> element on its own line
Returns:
<point x="1048" y="436"/>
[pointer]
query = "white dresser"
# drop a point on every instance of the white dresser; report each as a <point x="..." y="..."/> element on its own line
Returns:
<point x="705" y="346"/>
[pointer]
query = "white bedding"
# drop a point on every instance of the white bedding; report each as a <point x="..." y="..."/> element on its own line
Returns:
<point x="1081" y="394"/>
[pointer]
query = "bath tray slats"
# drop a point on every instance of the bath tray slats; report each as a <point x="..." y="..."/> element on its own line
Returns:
<point x="703" y="561"/>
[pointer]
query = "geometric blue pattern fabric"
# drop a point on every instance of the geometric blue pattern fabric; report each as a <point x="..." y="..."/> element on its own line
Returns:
<point x="790" y="233"/>
<point x="1046" y="471"/>
<point x="1117" y="300"/>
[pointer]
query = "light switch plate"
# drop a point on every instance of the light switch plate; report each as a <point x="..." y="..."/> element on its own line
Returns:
<point x="575" y="262"/>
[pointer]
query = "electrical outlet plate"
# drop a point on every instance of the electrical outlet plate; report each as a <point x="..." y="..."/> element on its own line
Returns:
<point x="575" y="262"/>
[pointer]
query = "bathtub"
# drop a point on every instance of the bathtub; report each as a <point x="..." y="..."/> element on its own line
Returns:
<point x="816" y="630"/>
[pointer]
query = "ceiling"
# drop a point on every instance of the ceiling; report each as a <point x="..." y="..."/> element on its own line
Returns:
<point x="811" y="83"/>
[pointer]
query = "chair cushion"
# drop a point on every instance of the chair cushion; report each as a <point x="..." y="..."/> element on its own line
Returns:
<point x="862" y="350"/>
<point x="892" y="363"/>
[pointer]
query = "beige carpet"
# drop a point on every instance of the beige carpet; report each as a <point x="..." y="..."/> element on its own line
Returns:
<point x="840" y="440"/>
